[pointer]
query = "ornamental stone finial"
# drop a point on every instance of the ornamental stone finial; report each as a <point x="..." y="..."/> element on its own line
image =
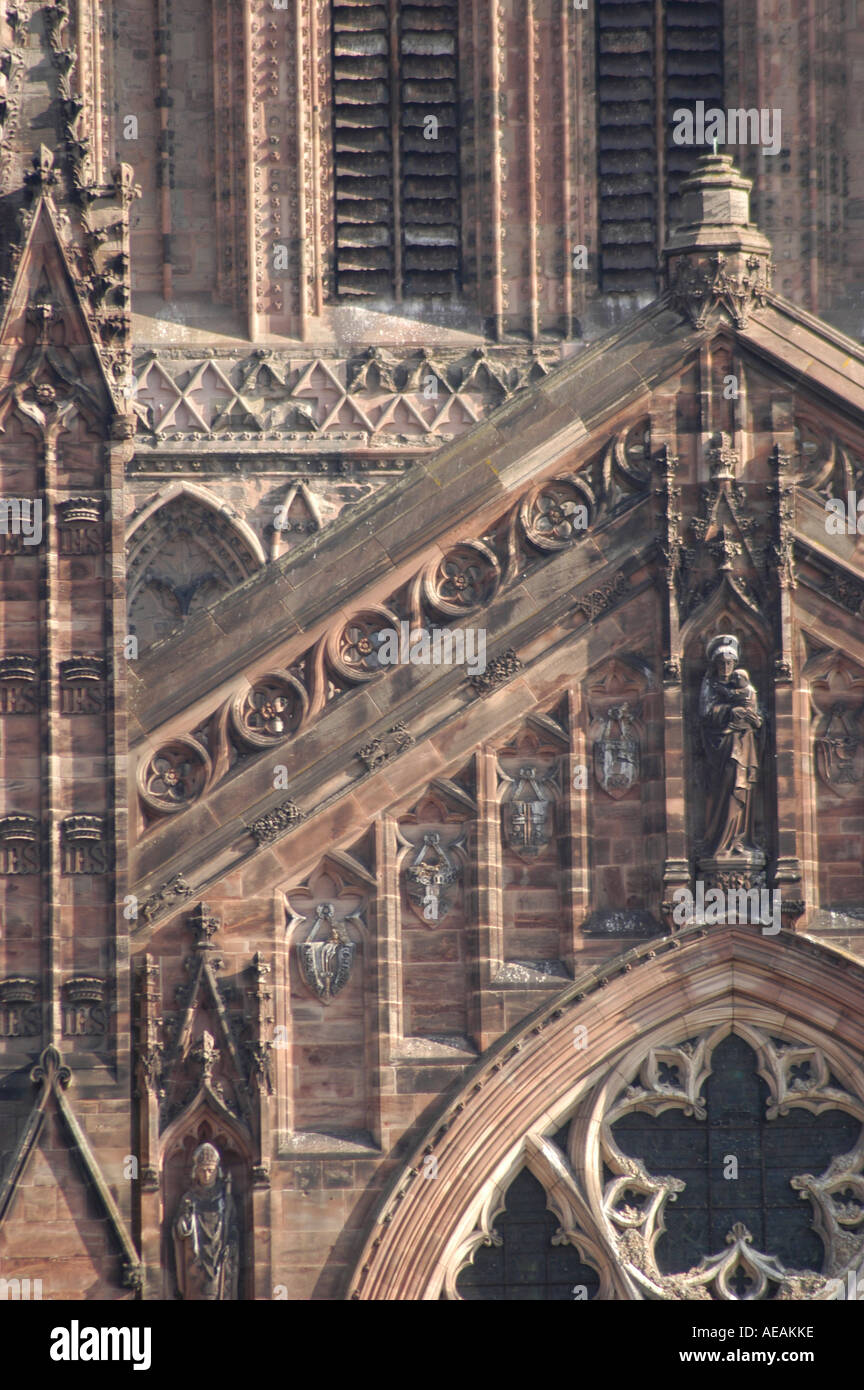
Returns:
<point x="716" y="255"/>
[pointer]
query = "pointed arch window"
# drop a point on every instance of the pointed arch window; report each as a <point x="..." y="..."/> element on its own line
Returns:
<point x="527" y="1256"/>
<point x="183" y="554"/>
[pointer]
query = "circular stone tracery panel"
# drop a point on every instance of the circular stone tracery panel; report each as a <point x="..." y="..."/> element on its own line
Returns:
<point x="271" y="708"/>
<point x="557" y="513"/>
<point x="352" y="651"/>
<point x="174" y="776"/>
<point x="465" y="578"/>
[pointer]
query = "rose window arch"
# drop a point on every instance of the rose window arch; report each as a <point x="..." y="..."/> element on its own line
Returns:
<point x="729" y="1167"/>
<point x="732" y="1171"/>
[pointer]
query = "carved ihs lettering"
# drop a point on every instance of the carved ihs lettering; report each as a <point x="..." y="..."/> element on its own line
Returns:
<point x="18" y="1020"/>
<point x="17" y="699"/>
<point x="19" y="858"/>
<point x="80" y="540"/>
<point x="82" y="699"/>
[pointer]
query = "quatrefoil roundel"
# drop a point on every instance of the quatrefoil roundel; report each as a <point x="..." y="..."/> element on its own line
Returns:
<point x="556" y="513"/>
<point x="465" y="578"/>
<point x="352" y="650"/>
<point x="271" y="708"/>
<point x="174" y="775"/>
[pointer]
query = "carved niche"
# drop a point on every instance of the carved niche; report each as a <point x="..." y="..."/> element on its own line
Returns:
<point x="822" y="463"/>
<point x="327" y="951"/>
<point x="727" y="719"/>
<point x="837" y="698"/>
<point x="730" y="721"/>
<point x="614" y="697"/>
<point x="205" y="1175"/>
<point x="206" y="1232"/>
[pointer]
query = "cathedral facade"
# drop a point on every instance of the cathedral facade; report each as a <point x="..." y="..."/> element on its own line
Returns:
<point x="432" y="668"/>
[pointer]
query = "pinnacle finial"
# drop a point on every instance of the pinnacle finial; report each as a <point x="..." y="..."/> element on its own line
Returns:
<point x="715" y="254"/>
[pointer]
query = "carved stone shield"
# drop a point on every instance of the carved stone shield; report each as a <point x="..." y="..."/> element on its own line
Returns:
<point x="840" y="752"/>
<point x="528" y="815"/>
<point x="617" y="753"/>
<point x="326" y="965"/>
<point x="428" y="878"/>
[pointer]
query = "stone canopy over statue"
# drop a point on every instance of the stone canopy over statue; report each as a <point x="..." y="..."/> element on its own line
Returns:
<point x="206" y="1234"/>
<point x="730" y="721"/>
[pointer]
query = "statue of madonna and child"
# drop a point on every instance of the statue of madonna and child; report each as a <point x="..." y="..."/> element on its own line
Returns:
<point x="730" y="723"/>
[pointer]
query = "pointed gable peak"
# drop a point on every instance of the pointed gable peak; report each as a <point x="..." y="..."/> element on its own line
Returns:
<point x="47" y="327"/>
<point x="66" y="285"/>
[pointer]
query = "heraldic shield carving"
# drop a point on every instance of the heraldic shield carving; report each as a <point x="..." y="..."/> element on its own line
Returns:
<point x="840" y="751"/>
<point x="429" y="877"/>
<point x="617" y="751"/>
<point x="326" y="964"/>
<point x="528" y="815"/>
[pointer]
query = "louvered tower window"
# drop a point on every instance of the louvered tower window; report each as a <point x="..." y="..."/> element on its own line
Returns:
<point x="396" y="148"/>
<point x="626" y="143"/>
<point x="653" y="58"/>
<point x="694" y="72"/>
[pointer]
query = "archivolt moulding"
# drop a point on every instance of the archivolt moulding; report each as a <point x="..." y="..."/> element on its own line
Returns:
<point x="596" y="1034"/>
<point x="208" y="499"/>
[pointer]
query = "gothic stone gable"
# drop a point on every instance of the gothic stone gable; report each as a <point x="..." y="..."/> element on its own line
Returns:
<point x="423" y="852"/>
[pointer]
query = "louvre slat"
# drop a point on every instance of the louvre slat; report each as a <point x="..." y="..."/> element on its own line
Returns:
<point x="626" y="144"/>
<point x="694" y="72"/>
<point x="428" y="68"/>
<point x="363" y="157"/>
<point x="627" y="154"/>
<point x="363" y="73"/>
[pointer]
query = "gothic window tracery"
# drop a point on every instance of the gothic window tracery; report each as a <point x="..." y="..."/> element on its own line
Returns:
<point x="737" y="1164"/>
<point x="181" y="558"/>
<point x="706" y="1157"/>
<point x="527" y="1256"/>
<point x="728" y="1168"/>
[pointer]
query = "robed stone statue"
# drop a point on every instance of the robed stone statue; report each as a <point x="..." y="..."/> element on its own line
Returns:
<point x="730" y="722"/>
<point x="206" y="1234"/>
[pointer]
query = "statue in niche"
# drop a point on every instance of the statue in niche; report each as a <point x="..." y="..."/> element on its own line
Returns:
<point x="730" y="721"/>
<point x="206" y="1233"/>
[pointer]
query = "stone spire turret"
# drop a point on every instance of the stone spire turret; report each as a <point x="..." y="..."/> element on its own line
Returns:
<point x="716" y="256"/>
